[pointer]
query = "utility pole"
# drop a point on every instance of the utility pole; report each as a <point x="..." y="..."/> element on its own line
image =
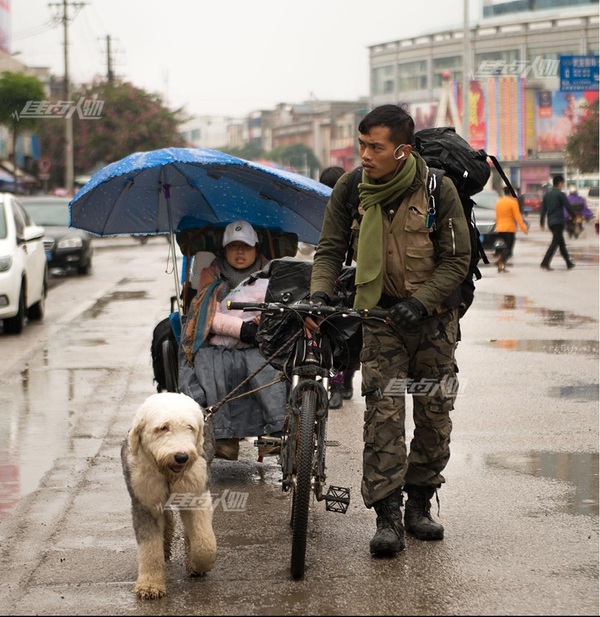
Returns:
<point x="466" y="82"/>
<point x="110" y="76"/>
<point x="67" y="90"/>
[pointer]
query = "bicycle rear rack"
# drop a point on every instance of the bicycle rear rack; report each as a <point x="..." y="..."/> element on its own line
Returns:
<point x="337" y="499"/>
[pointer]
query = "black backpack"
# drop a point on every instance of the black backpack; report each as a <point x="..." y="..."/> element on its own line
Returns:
<point x="446" y="153"/>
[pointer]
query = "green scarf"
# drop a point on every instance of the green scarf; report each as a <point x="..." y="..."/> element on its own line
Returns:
<point x="369" y="265"/>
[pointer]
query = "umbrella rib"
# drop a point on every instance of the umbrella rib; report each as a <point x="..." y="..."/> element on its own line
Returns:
<point x="128" y="185"/>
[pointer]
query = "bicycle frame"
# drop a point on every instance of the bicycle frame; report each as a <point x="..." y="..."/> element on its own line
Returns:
<point x="303" y="446"/>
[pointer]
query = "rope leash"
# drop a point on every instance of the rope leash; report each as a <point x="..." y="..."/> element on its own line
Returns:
<point x="212" y="409"/>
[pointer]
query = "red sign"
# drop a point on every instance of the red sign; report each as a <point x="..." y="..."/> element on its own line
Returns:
<point x="44" y="164"/>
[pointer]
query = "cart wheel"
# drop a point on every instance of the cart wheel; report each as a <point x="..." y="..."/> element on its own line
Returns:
<point x="169" y="355"/>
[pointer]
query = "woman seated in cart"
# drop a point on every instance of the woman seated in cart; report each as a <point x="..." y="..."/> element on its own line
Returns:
<point x="219" y="347"/>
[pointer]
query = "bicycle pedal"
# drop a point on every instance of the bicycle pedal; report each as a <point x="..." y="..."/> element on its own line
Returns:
<point x="337" y="499"/>
<point x="267" y="442"/>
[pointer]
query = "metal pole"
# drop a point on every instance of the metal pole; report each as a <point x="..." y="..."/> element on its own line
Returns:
<point x="466" y="86"/>
<point x="68" y="119"/>
<point x="166" y="191"/>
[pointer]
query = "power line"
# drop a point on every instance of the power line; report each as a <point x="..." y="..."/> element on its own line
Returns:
<point x="35" y="31"/>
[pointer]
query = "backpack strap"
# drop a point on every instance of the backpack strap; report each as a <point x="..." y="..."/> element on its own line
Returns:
<point x="503" y="176"/>
<point x="434" y="185"/>
<point x="352" y="203"/>
<point x="434" y="190"/>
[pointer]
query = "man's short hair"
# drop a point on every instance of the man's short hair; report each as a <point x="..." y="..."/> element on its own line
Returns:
<point x="558" y="179"/>
<point x="395" y="118"/>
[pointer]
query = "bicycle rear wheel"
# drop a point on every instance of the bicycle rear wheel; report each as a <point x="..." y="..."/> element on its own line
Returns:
<point x="301" y="499"/>
<point x="169" y="354"/>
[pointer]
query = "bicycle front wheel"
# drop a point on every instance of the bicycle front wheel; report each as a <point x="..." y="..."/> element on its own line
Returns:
<point x="304" y="460"/>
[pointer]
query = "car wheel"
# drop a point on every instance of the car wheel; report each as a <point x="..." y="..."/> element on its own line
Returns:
<point x="14" y="325"/>
<point x="85" y="269"/>
<point x="37" y="311"/>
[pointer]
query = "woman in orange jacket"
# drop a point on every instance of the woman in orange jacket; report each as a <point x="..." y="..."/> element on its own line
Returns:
<point x="508" y="216"/>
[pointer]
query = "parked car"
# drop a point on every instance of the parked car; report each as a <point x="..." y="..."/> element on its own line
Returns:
<point x="23" y="267"/>
<point x="65" y="246"/>
<point x="592" y="198"/>
<point x="485" y="218"/>
<point x="532" y="202"/>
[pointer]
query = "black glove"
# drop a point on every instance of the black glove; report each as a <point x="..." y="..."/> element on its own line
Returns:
<point x="319" y="298"/>
<point x="408" y="313"/>
<point x="248" y="333"/>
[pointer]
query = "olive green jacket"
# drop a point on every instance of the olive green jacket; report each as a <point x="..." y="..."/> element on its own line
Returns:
<point x="452" y="246"/>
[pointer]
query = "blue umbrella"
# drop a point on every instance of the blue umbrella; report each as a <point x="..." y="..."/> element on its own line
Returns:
<point x="172" y="189"/>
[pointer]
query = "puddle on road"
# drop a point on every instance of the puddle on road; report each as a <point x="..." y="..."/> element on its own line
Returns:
<point x="37" y="424"/>
<point x="39" y="421"/>
<point x="589" y="392"/>
<point x="549" y="317"/>
<point x="577" y="468"/>
<point x="583" y="256"/>
<point x="118" y="296"/>
<point x="571" y="347"/>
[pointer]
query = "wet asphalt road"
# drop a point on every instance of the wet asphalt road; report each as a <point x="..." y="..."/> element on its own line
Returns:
<point x="520" y="505"/>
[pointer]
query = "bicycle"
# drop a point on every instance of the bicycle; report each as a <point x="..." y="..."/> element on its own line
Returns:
<point x="303" y="444"/>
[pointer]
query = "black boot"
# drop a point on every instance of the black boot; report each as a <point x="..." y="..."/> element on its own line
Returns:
<point x="389" y="537"/>
<point x="417" y="517"/>
<point x="348" y="389"/>
<point x="335" y="396"/>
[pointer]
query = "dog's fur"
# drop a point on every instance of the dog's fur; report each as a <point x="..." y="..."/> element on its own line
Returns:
<point x="163" y="456"/>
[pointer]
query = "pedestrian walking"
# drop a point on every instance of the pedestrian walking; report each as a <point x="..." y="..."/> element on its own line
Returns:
<point x="508" y="216"/>
<point x="399" y="268"/>
<point x="554" y="204"/>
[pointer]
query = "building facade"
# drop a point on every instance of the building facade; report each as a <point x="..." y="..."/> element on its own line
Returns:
<point x="516" y="108"/>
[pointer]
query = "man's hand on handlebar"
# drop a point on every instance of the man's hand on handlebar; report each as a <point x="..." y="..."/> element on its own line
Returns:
<point x="319" y="298"/>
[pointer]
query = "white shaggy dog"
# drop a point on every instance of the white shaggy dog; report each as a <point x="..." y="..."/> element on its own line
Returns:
<point x="163" y="465"/>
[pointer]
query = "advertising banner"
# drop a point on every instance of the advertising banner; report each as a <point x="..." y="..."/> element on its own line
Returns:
<point x="558" y="115"/>
<point x="505" y="111"/>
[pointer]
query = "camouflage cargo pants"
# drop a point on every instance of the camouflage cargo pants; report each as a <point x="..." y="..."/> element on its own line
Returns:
<point x="396" y="363"/>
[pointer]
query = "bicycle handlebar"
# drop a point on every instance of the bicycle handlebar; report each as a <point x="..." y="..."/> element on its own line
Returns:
<point x="310" y="309"/>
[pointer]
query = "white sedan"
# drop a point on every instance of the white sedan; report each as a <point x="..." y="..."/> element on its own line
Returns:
<point x="23" y="267"/>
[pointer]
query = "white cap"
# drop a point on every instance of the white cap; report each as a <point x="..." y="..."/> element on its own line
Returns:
<point x="240" y="231"/>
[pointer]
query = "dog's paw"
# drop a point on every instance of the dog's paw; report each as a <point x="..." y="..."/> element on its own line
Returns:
<point x="200" y="566"/>
<point x="149" y="591"/>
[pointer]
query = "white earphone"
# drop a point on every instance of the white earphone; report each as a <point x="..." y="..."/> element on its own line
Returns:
<point x="401" y="154"/>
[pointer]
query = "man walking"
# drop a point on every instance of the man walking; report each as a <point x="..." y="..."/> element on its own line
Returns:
<point x="554" y="204"/>
<point x="414" y="268"/>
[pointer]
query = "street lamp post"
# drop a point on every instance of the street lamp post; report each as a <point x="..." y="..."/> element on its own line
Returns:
<point x="466" y="85"/>
<point x="68" y="120"/>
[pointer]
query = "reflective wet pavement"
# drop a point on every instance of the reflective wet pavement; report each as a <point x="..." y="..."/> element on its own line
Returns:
<point x="520" y="505"/>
